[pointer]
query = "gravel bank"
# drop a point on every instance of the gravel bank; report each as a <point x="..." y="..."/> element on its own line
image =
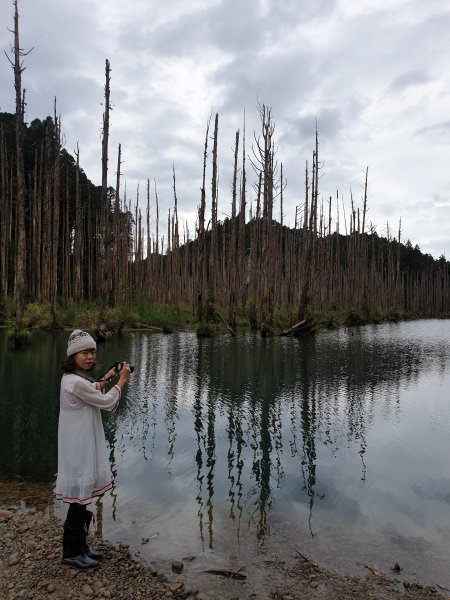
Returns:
<point x="31" y="569"/>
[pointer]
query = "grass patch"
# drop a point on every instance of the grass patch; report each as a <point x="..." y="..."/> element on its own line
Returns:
<point x="146" y="313"/>
<point x="113" y="318"/>
<point x="38" y="314"/>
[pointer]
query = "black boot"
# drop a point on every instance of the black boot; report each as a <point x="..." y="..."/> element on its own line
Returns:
<point x="95" y="554"/>
<point x="73" y="550"/>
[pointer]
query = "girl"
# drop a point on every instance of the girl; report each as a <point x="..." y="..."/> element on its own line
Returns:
<point x="83" y="467"/>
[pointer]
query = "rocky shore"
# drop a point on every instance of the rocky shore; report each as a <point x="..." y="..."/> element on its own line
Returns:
<point x="30" y="569"/>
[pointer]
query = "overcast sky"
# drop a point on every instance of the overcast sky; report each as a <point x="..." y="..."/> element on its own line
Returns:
<point x="374" y="74"/>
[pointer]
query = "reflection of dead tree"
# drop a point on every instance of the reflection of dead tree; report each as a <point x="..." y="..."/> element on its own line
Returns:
<point x="262" y="467"/>
<point x="207" y="441"/>
<point x="235" y="435"/>
<point x="309" y="456"/>
<point x="210" y="463"/>
<point x="308" y="420"/>
<point x="262" y="531"/>
<point x="198" y="426"/>
<point x="98" y="522"/>
<point x="171" y="412"/>
<point x="361" y="452"/>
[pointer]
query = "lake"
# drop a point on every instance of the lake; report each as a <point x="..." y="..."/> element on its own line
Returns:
<point x="241" y="450"/>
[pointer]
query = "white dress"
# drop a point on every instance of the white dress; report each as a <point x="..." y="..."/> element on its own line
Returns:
<point x="83" y="466"/>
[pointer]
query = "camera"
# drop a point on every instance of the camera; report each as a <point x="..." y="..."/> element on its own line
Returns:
<point x="118" y="365"/>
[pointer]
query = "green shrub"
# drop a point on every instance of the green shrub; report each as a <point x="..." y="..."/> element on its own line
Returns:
<point x="162" y="316"/>
<point x="87" y="318"/>
<point x="38" y="314"/>
<point x="112" y="317"/>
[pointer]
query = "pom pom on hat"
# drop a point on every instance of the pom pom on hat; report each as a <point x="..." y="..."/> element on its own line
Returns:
<point x="79" y="341"/>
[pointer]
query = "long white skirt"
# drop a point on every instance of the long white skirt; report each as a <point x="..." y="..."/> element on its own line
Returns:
<point x="83" y="467"/>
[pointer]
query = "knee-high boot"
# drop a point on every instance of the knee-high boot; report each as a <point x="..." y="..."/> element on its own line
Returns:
<point x="73" y="549"/>
<point x="95" y="554"/>
<point x="73" y="539"/>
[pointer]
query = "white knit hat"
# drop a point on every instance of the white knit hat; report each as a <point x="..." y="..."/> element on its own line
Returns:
<point x="79" y="341"/>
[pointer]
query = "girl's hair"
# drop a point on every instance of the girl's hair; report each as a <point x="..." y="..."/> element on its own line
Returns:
<point x="69" y="365"/>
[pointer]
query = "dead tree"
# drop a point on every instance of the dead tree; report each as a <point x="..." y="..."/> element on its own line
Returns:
<point x="5" y="220"/>
<point x="309" y="238"/>
<point x="212" y="270"/>
<point x="56" y="211"/>
<point x="201" y="233"/>
<point x="102" y="270"/>
<point x="21" y="250"/>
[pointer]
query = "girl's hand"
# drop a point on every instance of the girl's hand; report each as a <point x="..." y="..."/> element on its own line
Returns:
<point x="124" y="373"/>
<point x="111" y="373"/>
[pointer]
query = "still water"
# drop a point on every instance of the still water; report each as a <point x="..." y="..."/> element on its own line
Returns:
<point x="240" y="450"/>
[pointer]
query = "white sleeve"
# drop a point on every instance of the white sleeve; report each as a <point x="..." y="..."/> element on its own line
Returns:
<point x="87" y="392"/>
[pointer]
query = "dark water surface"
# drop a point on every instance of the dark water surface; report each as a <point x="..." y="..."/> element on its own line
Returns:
<point x="239" y="450"/>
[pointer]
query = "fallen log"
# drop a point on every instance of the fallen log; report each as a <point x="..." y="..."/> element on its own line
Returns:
<point x="227" y="325"/>
<point x="294" y="328"/>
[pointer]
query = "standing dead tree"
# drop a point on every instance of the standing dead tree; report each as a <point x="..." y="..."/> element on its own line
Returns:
<point x="309" y="237"/>
<point x="265" y="166"/>
<point x="201" y="235"/>
<point x="233" y="270"/>
<point x="213" y="263"/>
<point x="5" y="220"/>
<point x="56" y="212"/>
<point x="102" y="262"/>
<point x="21" y="251"/>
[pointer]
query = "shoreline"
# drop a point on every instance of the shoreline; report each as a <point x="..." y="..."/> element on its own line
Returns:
<point x="31" y="568"/>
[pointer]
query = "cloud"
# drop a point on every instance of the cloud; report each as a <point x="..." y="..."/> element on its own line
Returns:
<point x="441" y="129"/>
<point x="411" y="78"/>
<point x="374" y="76"/>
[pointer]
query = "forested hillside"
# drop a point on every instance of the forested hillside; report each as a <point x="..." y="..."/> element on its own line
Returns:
<point x="63" y="239"/>
<point x="248" y="263"/>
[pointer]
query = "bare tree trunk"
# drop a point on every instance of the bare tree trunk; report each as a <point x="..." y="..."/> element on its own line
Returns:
<point x="149" y="245"/>
<point x="103" y="276"/>
<point x="201" y="234"/>
<point x="78" y="242"/>
<point x="241" y="261"/>
<point x="56" y="212"/>
<point x="309" y="238"/>
<point x="233" y="263"/>
<point x="176" y="272"/>
<point x="20" y="270"/>
<point x="67" y="266"/>
<point x="115" y="243"/>
<point x="5" y="221"/>
<point x="212" y="271"/>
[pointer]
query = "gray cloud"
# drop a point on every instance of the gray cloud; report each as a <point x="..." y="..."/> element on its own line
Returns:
<point x="411" y="78"/>
<point x="441" y="129"/>
<point x="373" y="78"/>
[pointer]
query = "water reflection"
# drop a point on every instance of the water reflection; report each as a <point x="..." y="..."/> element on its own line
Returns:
<point x="241" y="393"/>
<point x="29" y="406"/>
<point x="231" y="441"/>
